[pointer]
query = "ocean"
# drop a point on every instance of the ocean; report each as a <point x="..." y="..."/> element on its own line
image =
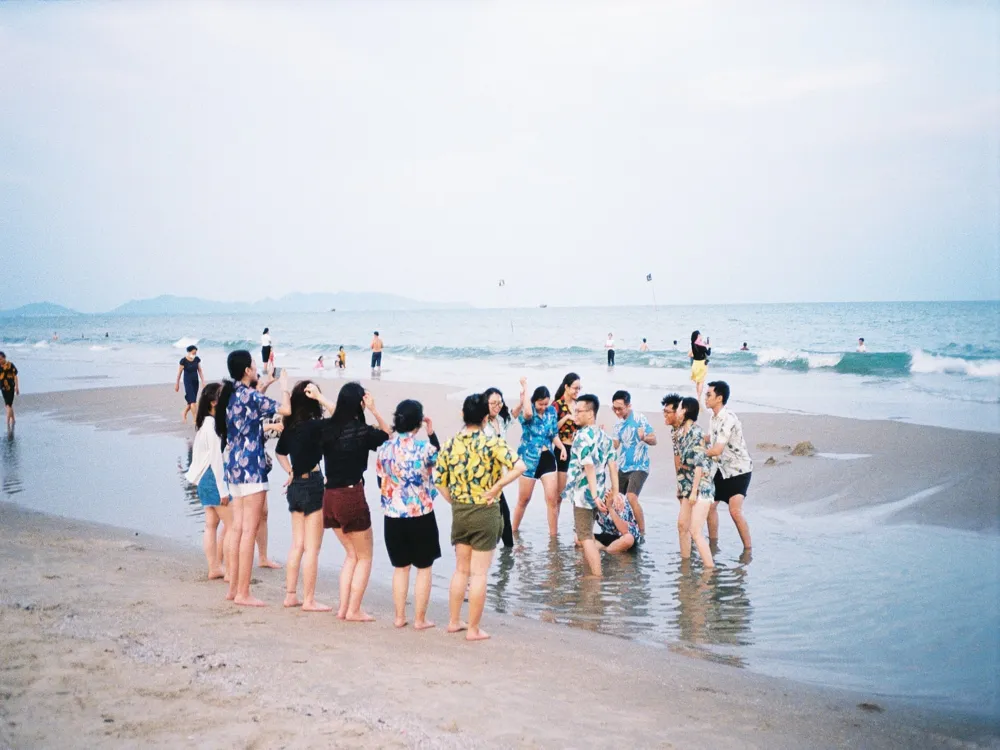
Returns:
<point x="934" y="363"/>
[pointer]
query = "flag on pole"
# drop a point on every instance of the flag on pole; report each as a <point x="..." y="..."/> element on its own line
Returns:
<point x="501" y="282"/>
<point x="649" y="277"/>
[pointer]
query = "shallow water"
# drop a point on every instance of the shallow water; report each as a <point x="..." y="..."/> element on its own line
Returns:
<point x="904" y="611"/>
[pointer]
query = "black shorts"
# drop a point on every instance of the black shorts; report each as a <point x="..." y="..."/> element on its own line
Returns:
<point x="546" y="465"/>
<point x="606" y="539"/>
<point x="412" y="541"/>
<point x="8" y="397"/>
<point x="265" y="355"/>
<point x="561" y="464"/>
<point x="376" y="359"/>
<point x="728" y="488"/>
<point x="306" y="495"/>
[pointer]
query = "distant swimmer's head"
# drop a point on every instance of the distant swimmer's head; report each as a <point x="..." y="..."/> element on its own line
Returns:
<point x="341" y="349"/>
<point x="320" y="359"/>
<point x="494" y="399"/>
<point x="621" y="404"/>
<point x="376" y="333"/>
<point x="585" y="409"/>
<point x="688" y="410"/>
<point x="644" y="341"/>
<point x="475" y="410"/>
<point x="861" y="341"/>
<point x="408" y="417"/>
<point x="675" y="342"/>
<point x="541" y="399"/>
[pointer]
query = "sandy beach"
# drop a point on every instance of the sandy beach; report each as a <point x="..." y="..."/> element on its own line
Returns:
<point x="113" y="638"/>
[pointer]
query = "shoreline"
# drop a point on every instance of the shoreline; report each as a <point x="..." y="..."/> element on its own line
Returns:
<point x="113" y="623"/>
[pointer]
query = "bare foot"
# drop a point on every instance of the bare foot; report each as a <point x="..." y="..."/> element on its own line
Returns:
<point x="457" y="628"/>
<point x="475" y="634"/>
<point x="230" y="595"/>
<point x="423" y="625"/>
<point x="214" y="575"/>
<point x="361" y="616"/>
<point x="291" y="600"/>
<point x="265" y="563"/>
<point x="226" y="578"/>
<point x="316" y="607"/>
<point x="249" y="601"/>
<point x="400" y="622"/>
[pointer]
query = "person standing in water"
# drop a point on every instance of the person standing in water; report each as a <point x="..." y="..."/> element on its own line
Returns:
<point x="609" y="345"/>
<point x="470" y="472"/>
<point x="497" y="424"/>
<point x="342" y="359"/>
<point x="265" y="349"/>
<point x="699" y="354"/>
<point x="190" y="368"/>
<point x="644" y="347"/>
<point x="10" y="386"/>
<point x="633" y="435"/>
<point x="565" y="399"/>
<point x="861" y="346"/>
<point x="538" y="450"/>
<point x="695" y="490"/>
<point x="239" y="421"/>
<point x="208" y="474"/>
<point x="376" y="347"/>
<point x="733" y="465"/>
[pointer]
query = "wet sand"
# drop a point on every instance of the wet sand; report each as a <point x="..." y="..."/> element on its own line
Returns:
<point x="110" y="639"/>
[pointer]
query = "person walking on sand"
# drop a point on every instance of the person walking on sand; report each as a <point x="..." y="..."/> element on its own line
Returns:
<point x="376" y="347"/>
<point x="609" y="346"/>
<point x="190" y="368"/>
<point x="265" y="349"/>
<point x="240" y="423"/>
<point x="694" y="483"/>
<point x="733" y="465"/>
<point x="471" y="471"/>
<point x="565" y="399"/>
<point x="538" y="450"/>
<point x="208" y="474"/>
<point x="405" y="468"/>
<point x="593" y="472"/>
<point x="497" y="425"/>
<point x="10" y="386"/>
<point x="347" y="440"/>
<point x="633" y="434"/>
<point x="299" y="451"/>
<point x="699" y="354"/>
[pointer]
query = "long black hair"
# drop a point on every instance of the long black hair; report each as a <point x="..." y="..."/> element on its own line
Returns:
<point x="350" y="404"/>
<point x="571" y="377"/>
<point x="303" y="407"/>
<point x="237" y="363"/>
<point x="504" y="411"/>
<point x="209" y="395"/>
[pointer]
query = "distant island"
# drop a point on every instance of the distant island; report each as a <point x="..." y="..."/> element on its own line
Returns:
<point x="169" y="304"/>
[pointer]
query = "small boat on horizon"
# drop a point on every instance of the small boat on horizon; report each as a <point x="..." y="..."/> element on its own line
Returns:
<point x="543" y="306"/>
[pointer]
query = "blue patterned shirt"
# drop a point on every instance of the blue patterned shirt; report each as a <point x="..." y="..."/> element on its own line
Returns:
<point x="607" y="525"/>
<point x="537" y="434"/>
<point x="634" y="452"/>
<point x="245" y="416"/>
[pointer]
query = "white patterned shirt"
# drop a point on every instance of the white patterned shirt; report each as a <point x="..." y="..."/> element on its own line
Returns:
<point x="735" y="458"/>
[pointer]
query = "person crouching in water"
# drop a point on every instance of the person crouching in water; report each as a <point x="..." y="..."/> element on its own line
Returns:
<point x="619" y="530"/>
<point x="207" y="472"/>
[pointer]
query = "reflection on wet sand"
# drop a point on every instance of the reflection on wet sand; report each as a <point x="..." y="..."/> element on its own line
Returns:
<point x="712" y="610"/>
<point x="11" y="466"/>
<point x="190" y="491"/>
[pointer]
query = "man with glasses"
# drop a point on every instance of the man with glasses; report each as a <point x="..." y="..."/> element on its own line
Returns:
<point x="671" y="402"/>
<point x="633" y="435"/>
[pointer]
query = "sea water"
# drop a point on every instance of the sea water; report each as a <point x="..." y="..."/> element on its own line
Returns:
<point x="928" y="363"/>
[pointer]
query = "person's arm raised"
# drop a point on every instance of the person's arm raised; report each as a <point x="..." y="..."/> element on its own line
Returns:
<point x="369" y="403"/>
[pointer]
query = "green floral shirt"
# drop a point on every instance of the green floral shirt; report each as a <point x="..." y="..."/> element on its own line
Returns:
<point x="691" y="447"/>
<point x="590" y="446"/>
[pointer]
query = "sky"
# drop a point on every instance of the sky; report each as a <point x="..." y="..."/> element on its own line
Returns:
<point x="738" y="152"/>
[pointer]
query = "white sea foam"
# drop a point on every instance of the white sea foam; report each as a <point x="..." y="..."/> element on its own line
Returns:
<point x="923" y="362"/>
<point x="185" y="342"/>
<point x="41" y="344"/>
<point x="99" y="348"/>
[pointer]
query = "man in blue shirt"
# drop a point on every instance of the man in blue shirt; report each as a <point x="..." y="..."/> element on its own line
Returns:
<point x="633" y="435"/>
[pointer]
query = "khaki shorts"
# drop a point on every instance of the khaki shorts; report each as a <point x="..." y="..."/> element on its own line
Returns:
<point x="583" y="523"/>
<point x="478" y="526"/>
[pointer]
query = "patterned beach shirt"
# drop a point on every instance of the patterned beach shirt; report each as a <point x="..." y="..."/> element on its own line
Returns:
<point x="693" y="455"/>
<point x="245" y="414"/>
<point x="569" y="427"/>
<point x="7" y="374"/>
<point x="608" y="525"/>
<point x="591" y="446"/>
<point x="537" y="435"/>
<point x="405" y="467"/>
<point x="469" y="464"/>
<point x="633" y="451"/>
<point x="735" y="458"/>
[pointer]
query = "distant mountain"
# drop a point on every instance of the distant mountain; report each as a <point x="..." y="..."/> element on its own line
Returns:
<point x="38" y="309"/>
<point x="168" y="304"/>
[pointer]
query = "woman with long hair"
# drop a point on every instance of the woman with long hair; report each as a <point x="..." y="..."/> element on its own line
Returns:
<point x="299" y="451"/>
<point x="239" y="422"/>
<point x="265" y="349"/>
<point x="405" y="467"/>
<point x="538" y="450"/>
<point x="695" y="489"/>
<point x="497" y="424"/>
<point x="347" y="439"/>
<point x="699" y="354"/>
<point x="565" y="399"/>
<point x="207" y="472"/>
<point x="470" y="472"/>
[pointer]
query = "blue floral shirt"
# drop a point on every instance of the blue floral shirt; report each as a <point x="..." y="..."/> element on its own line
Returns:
<point x="633" y="452"/>
<point x="608" y="526"/>
<point x="245" y="414"/>
<point x="537" y="435"/>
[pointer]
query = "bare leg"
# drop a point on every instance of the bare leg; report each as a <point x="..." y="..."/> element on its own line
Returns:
<point x="362" y="541"/>
<point x="698" y="515"/>
<point x="684" y="529"/>
<point x="252" y="507"/>
<point x="736" y="512"/>
<point x="525" y="487"/>
<point x="459" y="582"/>
<point x="552" y="502"/>
<point x="622" y="544"/>
<point x="346" y="571"/>
<point x="479" y="567"/>
<point x="562" y="480"/>
<point x="294" y="559"/>
<point x="591" y="556"/>
<point x="400" y="586"/>
<point x="226" y="517"/>
<point x="210" y="543"/>
<point x="233" y="547"/>
<point x="640" y="518"/>
<point x="310" y="563"/>
<point x="421" y="597"/>
<point x="263" y="560"/>
<point x="713" y="524"/>
<point x="698" y="388"/>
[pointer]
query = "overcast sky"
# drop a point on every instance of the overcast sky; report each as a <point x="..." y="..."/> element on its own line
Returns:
<point x="739" y="152"/>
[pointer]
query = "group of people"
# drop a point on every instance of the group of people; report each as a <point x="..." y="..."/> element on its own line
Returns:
<point x="324" y="449"/>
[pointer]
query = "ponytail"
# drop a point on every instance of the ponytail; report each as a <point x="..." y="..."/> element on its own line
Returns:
<point x="571" y="377"/>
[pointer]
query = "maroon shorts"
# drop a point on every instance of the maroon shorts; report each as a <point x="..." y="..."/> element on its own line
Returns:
<point x="345" y="508"/>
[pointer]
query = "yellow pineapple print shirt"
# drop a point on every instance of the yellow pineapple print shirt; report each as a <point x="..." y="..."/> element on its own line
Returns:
<point x="471" y="463"/>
